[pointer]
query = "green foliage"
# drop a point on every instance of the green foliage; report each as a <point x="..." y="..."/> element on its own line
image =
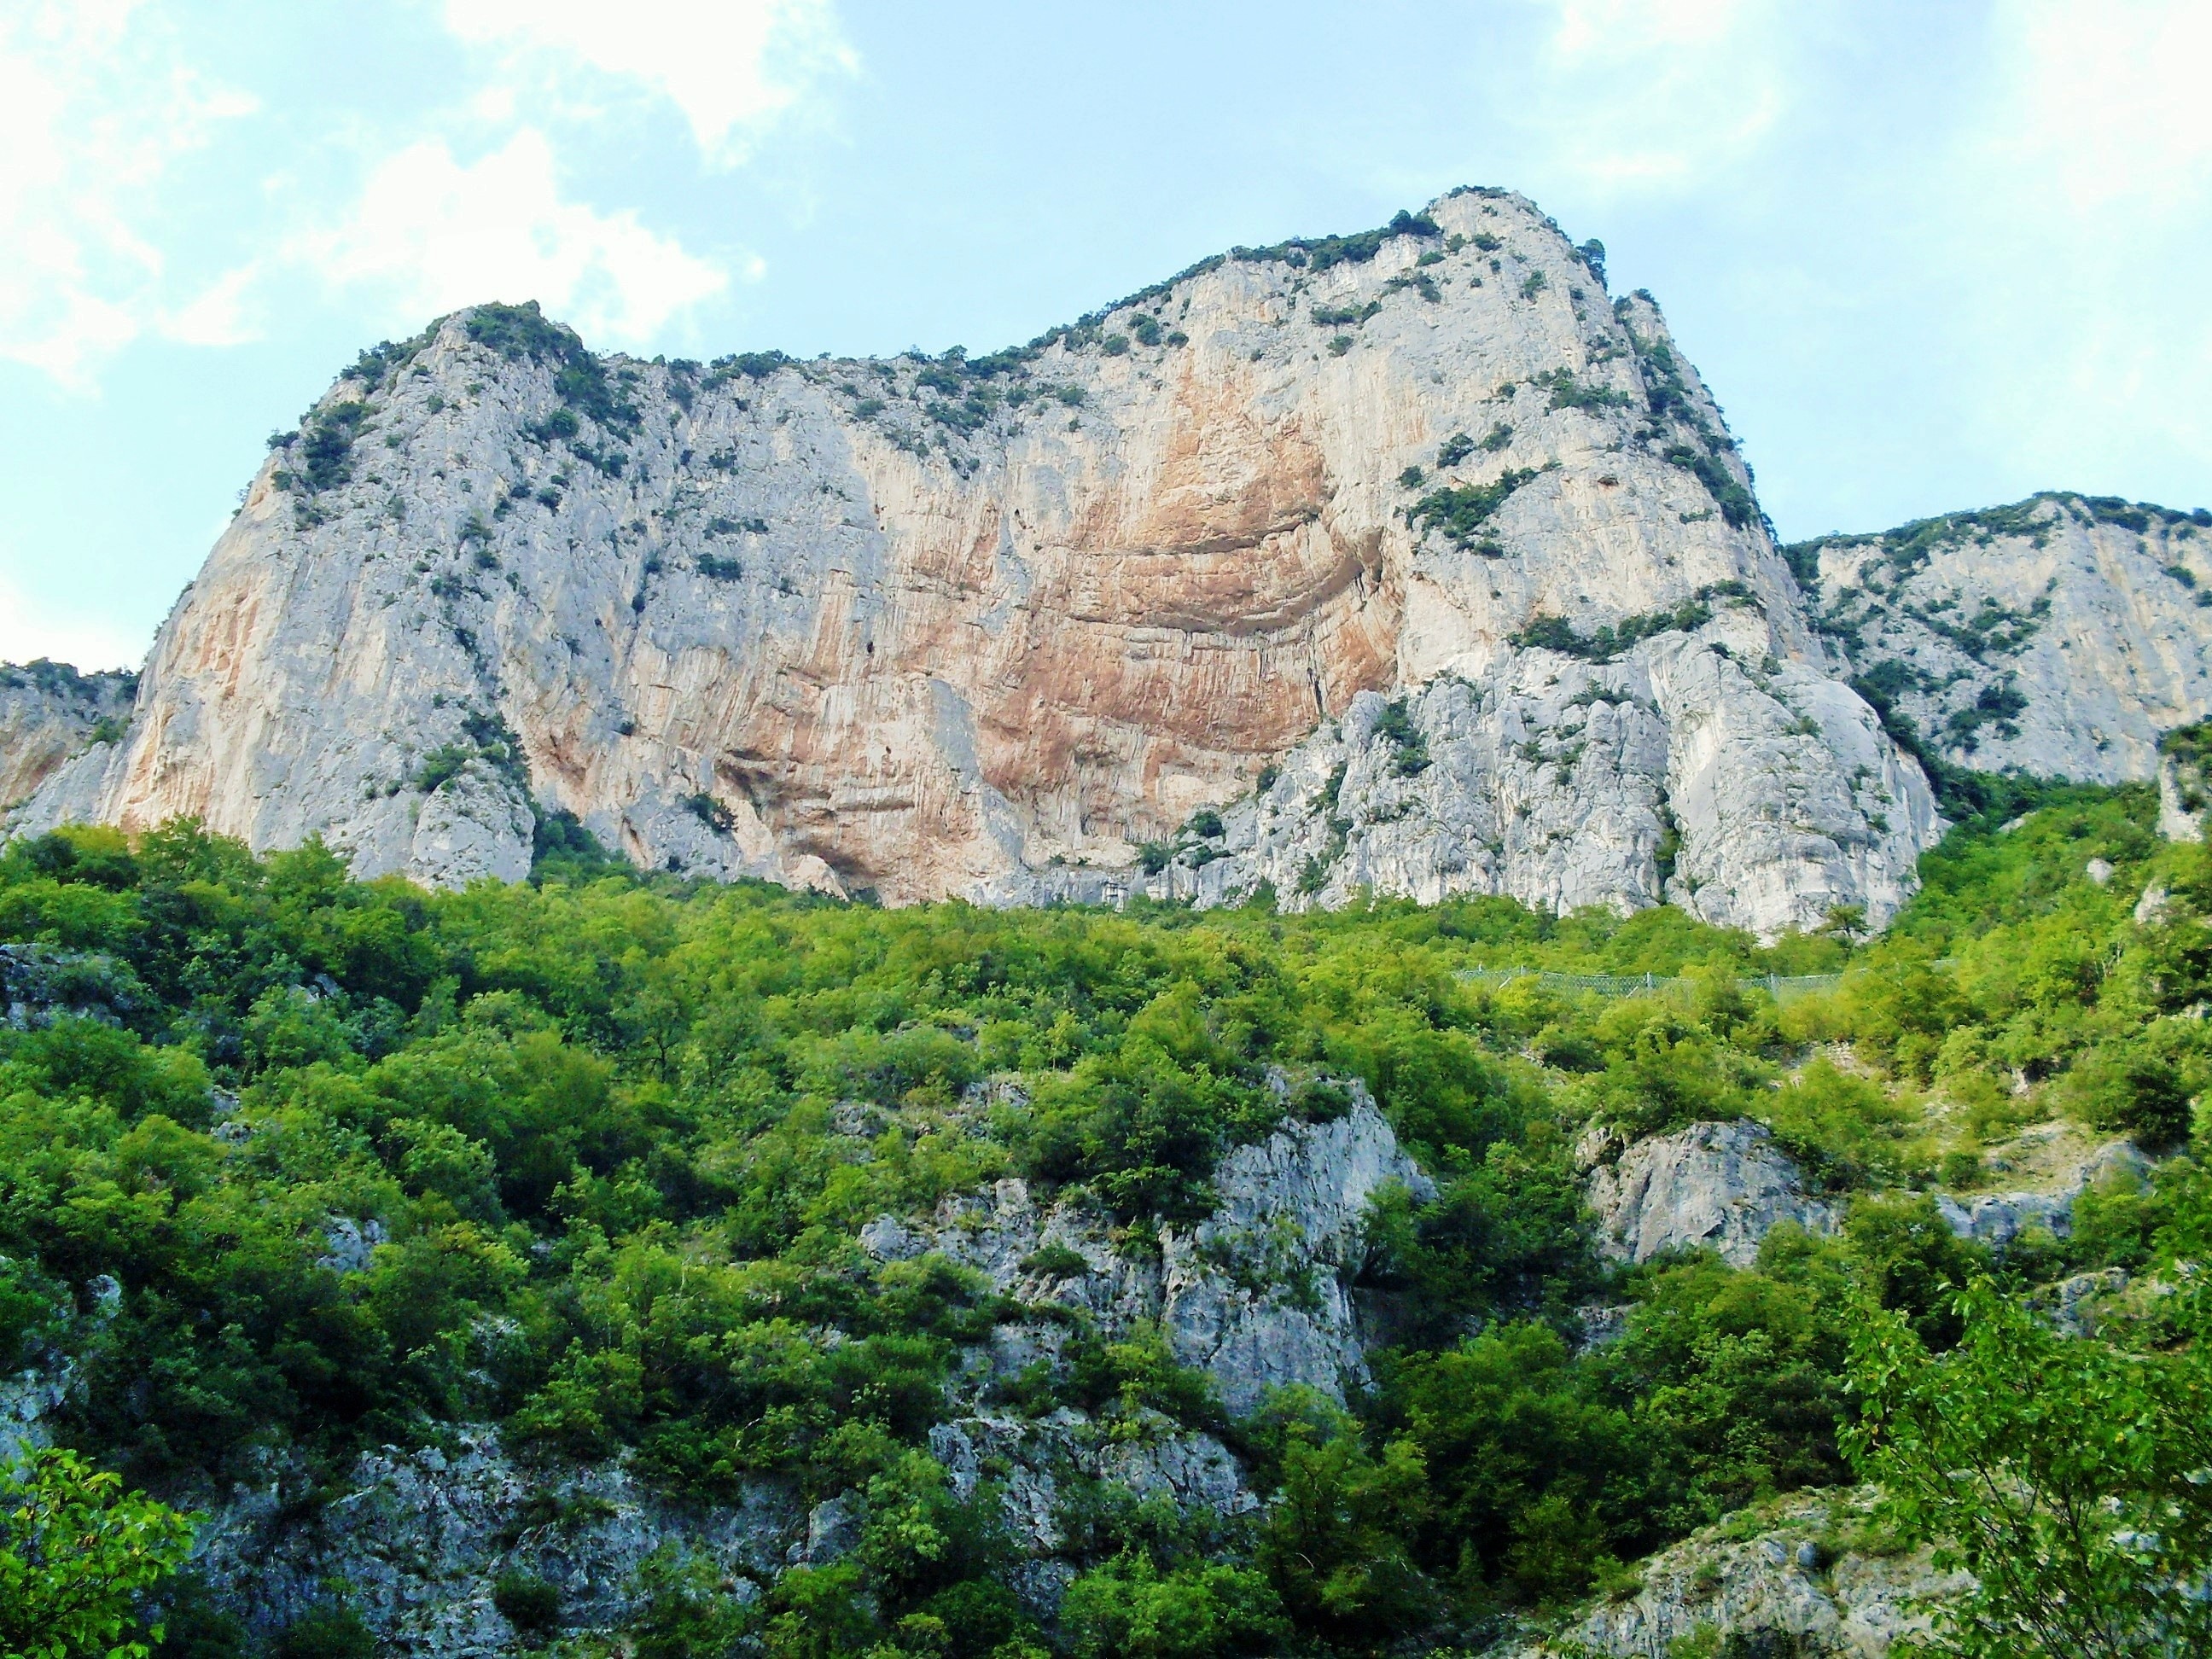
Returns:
<point x="77" y="1554"/>
<point x="1728" y="493"/>
<point x="1130" y="1608"/>
<point x="1567" y="393"/>
<point x="522" y="333"/>
<point x="325" y="447"/>
<point x="1395" y="726"/>
<point x="563" y="849"/>
<point x="1549" y="632"/>
<point x="1336" y="1540"/>
<point x="2065" y="1474"/>
<point x="528" y="1603"/>
<point x="331" y="1631"/>
<point x="1460" y="512"/>
<point x="1317" y="254"/>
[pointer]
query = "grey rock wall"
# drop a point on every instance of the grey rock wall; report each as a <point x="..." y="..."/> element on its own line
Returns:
<point x="1781" y="1582"/>
<point x="2059" y="636"/>
<point x="48" y="713"/>
<point x="1721" y="1186"/>
<point x="1255" y="1294"/>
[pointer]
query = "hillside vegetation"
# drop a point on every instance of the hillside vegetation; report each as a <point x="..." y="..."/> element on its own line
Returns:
<point x="605" y="1143"/>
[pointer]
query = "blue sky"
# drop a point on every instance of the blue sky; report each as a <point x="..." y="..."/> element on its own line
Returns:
<point x="1930" y="255"/>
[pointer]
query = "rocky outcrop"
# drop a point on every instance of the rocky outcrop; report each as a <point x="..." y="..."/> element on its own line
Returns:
<point x="995" y="626"/>
<point x="2059" y="636"/>
<point x="420" y="1539"/>
<point x="49" y="712"/>
<point x="1721" y="1187"/>
<point x="39" y="984"/>
<point x="1813" y="1570"/>
<point x="2184" y="786"/>
<point x="1256" y="1295"/>
<point x="1997" y="1220"/>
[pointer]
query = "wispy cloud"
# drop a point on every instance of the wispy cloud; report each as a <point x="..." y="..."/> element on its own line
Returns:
<point x="2073" y="203"/>
<point x="2105" y="103"/>
<point x="98" y="106"/>
<point x="731" y="67"/>
<point x="108" y="109"/>
<point x="1636" y="95"/>
<point x="430" y="232"/>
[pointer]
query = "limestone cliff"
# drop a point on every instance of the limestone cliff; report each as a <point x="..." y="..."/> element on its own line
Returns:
<point x="49" y="712"/>
<point x="1410" y="557"/>
<point x="2059" y="636"/>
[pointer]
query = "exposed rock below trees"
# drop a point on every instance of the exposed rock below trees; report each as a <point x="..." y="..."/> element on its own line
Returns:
<point x="1997" y="1220"/>
<point x="49" y="712"/>
<point x="421" y="1538"/>
<point x="1806" y="1573"/>
<point x="2182" y="792"/>
<point x="39" y="984"/>
<point x="2060" y="636"/>
<point x="984" y="627"/>
<point x="1257" y="1294"/>
<point x="1721" y="1186"/>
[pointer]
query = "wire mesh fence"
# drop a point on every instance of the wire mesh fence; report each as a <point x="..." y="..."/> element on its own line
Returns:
<point x="1781" y="986"/>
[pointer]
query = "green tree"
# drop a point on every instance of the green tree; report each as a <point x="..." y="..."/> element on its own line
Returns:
<point x="77" y="1553"/>
<point x="2066" y="1475"/>
<point x="1335" y="1543"/>
<point x="1129" y="1609"/>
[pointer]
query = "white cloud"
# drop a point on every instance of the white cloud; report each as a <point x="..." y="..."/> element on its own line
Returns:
<point x="1635" y="94"/>
<point x="430" y="233"/>
<point x="731" y="66"/>
<point x="2073" y="202"/>
<point x="2107" y="102"/>
<point x="97" y="106"/>
<point x="220" y="314"/>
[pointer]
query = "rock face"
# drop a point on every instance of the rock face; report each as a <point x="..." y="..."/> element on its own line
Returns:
<point x="2059" y="636"/>
<point x="986" y="626"/>
<point x="1997" y="1220"/>
<point x="1258" y="1294"/>
<point x="420" y="1539"/>
<point x="1780" y="1582"/>
<point x="49" y="712"/>
<point x="1721" y="1186"/>
<point x="2183" y="783"/>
